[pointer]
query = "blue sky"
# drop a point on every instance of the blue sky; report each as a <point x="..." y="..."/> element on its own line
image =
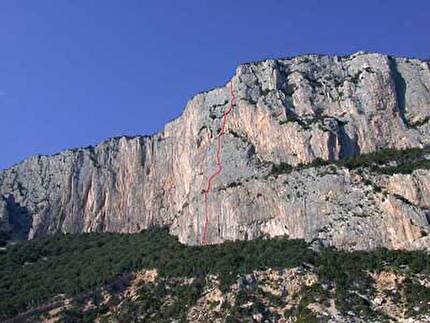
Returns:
<point x="75" y="72"/>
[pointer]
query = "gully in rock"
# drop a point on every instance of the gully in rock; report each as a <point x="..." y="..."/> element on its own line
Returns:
<point x="217" y="162"/>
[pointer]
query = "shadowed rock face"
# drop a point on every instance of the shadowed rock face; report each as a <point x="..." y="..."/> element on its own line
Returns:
<point x="290" y="110"/>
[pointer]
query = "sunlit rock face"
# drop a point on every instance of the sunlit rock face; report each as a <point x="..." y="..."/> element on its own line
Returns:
<point x="291" y="111"/>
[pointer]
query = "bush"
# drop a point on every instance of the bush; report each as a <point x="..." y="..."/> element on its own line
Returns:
<point x="35" y="271"/>
<point x="406" y="161"/>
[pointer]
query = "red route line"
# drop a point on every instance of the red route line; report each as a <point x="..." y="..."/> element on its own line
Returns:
<point x="217" y="160"/>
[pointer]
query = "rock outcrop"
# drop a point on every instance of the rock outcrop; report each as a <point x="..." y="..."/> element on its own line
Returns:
<point x="292" y="111"/>
<point x="5" y="226"/>
<point x="288" y="295"/>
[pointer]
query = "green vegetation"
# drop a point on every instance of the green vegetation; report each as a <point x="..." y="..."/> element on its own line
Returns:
<point x="35" y="271"/>
<point x="234" y="184"/>
<point x="416" y="296"/>
<point x="356" y="77"/>
<point x="387" y="161"/>
<point x="285" y="168"/>
<point x="405" y="160"/>
<point x="346" y="270"/>
<point x="292" y="117"/>
<point x="149" y="304"/>
<point x="281" y="168"/>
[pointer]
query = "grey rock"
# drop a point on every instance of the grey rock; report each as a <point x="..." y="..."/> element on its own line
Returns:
<point x="291" y="110"/>
<point x="4" y="216"/>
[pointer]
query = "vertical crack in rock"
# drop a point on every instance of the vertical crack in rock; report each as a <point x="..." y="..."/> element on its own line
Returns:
<point x="400" y="86"/>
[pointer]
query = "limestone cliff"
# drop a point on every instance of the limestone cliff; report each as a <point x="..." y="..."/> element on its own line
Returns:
<point x="291" y="111"/>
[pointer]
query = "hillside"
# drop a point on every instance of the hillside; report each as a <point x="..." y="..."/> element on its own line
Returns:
<point x="150" y="277"/>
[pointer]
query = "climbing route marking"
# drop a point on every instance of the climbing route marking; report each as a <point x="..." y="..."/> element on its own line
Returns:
<point x="217" y="161"/>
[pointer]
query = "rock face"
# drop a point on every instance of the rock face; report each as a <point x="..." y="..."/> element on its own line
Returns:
<point x="287" y="111"/>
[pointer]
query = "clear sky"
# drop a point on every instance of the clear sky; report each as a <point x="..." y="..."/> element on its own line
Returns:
<point x="75" y="72"/>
